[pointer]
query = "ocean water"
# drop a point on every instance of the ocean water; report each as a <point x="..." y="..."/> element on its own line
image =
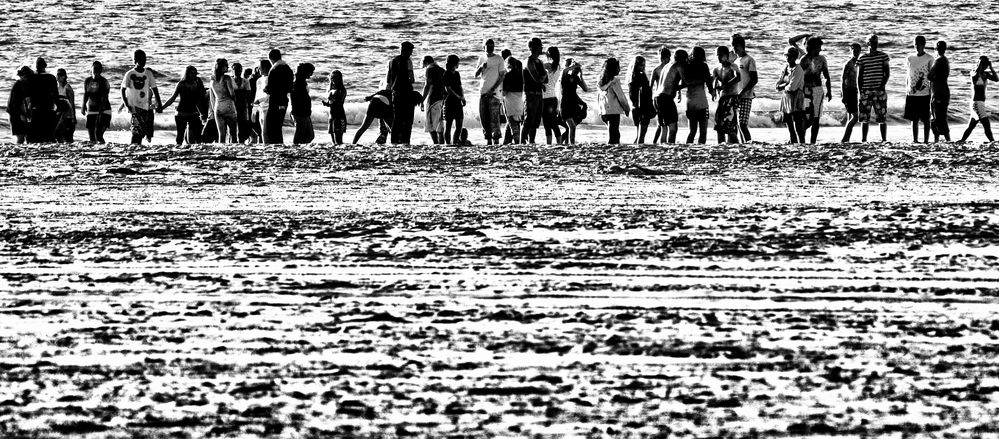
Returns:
<point x="359" y="37"/>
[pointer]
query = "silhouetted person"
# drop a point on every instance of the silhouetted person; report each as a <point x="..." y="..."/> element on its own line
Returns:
<point x="138" y="87"/>
<point x="400" y="81"/>
<point x="280" y="82"/>
<point x="43" y="92"/>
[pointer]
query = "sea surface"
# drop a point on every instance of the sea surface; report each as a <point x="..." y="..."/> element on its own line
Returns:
<point x="359" y="37"/>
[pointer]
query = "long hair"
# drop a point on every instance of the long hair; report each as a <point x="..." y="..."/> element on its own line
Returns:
<point x="637" y="66"/>
<point x="611" y="69"/>
<point x="336" y="80"/>
<point x="555" y="56"/>
<point x="303" y="72"/>
<point x="221" y="66"/>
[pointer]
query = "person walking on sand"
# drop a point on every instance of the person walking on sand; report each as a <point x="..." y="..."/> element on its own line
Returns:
<point x="748" y="78"/>
<point x="222" y="93"/>
<point x="301" y="105"/>
<point x="850" y="93"/>
<point x="939" y="93"/>
<point x="138" y="87"/>
<point x="535" y="76"/>
<point x="726" y="80"/>
<point x="572" y="107"/>
<point x="65" y="109"/>
<point x="400" y="81"/>
<point x="979" y="113"/>
<point x="491" y="71"/>
<point x="190" y="90"/>
<point x="454" y="100"/>
<point x="335" y="97"/>
<point x="513" y="98"/>
<point x="550" y="97"/>
<point x="280" y="82"/>
<point x="696" y="77"/>
<point x="873" y="73"/>
<point x="43" y="92"/>
<point x="640" y="93"/>
<point x="611" y="100"/>
<point x="917" y="95"/>
<point x="815" y="68"/>
<point x="433" y="99"/>
<point x="17" y="105"/>
<point x="96" y="103"/>
<point x="792" y="103"/>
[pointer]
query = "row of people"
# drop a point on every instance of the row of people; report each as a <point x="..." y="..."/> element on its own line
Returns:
<point x="251" y="105"/>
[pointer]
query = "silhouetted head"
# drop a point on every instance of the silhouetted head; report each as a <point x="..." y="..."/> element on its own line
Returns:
<point x="139" y="57"/>
<point x="983" y="64"/>
<point x="40" y="65"/>
<point x="274" y="55"/>
<point x="97" y="68"/>
<point x="612" y="68"/>
<point x="681" y="56"/>
<point x="664" y="54"/>
<point x="554" y="55"/>
<point x="872" y="41"/>
<point x="637" y="66"/>
<point x="61" y="76"/>
<point x="406" y="49"/>
<point x="265" y="67"/>
<point x="489" y="45"/>
<point x="697" y="54"/>
<point x="190" y="73"/>
<point x="428" y="60"/>
<point x="722" y="53"/>
<point x="534" y="46"/>
<point x="919" y="44"/>
<point x="506" y="53"/>
<point x="738" y="44"/>
<point x="452" y="62"/>
<point x="304" y="71"/>
<point x="24" y="72"/>
<point x="941" y="47"/>
<point x="336" y="79"/>
<point x="855" y="48"/>
<point x="813" y="46"/>
<point x="221" y="66"/>
<point x="237" y="70"/>
<point x="792" y="54"/>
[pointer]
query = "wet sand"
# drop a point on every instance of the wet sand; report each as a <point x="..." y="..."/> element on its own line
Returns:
<point x="427" y="291"/>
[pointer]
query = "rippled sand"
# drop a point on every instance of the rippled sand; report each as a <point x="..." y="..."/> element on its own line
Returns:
<point x="473" y="292"/>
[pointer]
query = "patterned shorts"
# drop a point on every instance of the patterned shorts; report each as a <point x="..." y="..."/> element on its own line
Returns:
<point x="876" y="100"/>
<point x="142" y="123"/>
<point x="745" y="109"/>
<point x="727" y="115"/>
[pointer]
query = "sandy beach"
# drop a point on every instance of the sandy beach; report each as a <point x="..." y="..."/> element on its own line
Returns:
<point x="590" y="291"/>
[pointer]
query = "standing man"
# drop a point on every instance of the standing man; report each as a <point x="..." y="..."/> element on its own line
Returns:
<point x="535" y="77"/>
<point x="491" y="70"/>
<point x="43" y="92"/>
<point x="280" y="81"/>
<point x="850" y="92"/>
<point x="433" y="97"/>
<point x="656" y="84"/>
<point x="940" y="93"/>
<point x="917" y="95"/>
<point x="138" y="87"/>
<point x="873" y="73"/>
<point x="400" y="81"/>
<point x="748" y="77"/>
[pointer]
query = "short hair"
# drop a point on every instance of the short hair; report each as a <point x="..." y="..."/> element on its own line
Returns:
<point x="452" y="60"/>
<point x="506" y="53"/>
<point x="663" y="50"/>
<point x="920" y="40"/>
<point x="856" y="46"/>
<point x="428" y="59"/>
<point x="534" y="43"/>
<point x="722" y="51"/>
<point x="489" y="42"/>
<point x="265" y="64"/>
<point x="738" y="41"/>
<point x="681" y="56"/>
<point x="274" y="55"/>
<point x="941" y="44"/>
<point x="872" y="40"/>
<point x="236" y="65"/>
<point x="40" y="63"/>
<point x="139" y="55"/>
<point x="407" y="46"/>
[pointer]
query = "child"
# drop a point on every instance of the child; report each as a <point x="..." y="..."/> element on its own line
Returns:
<point x="640" y="92"/>
<point x="726" y="81"/>
<point x="454" y="101"/>
<point x="65" y="109"/>
<point x="462" y="139"/>
<point x="696" y="77"/>
<point x="792" y="103"/>
<point x="611" y="100"/>
<point x="334" y="100"/>
<point x="983" y="73"/>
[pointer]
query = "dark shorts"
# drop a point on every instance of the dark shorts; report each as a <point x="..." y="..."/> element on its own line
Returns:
<point x="851" y="100"/>
<point x="666" y="110"/>
<point x="19" y="125"/>
<point x="697" y="115"/>
<point x="917" y="108"/>
<point x="453" y="110"/>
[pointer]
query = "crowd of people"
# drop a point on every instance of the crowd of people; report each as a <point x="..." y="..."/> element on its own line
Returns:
<point x="516" y="97"/>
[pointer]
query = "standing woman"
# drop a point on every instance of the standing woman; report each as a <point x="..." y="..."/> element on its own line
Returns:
<point x="223" y="98"/>
<point x="792" y="103"/>
<point x="454" y="100"/>
<point x="697" y="77"/>
<point x="572" y="106"/>
<point x="611" y="100"/>
<point x="550" y="96"/>
<point x="338" y="117"/>
<point x="640" y="93"/>
<point x="301" y="105"/>
<point x="65" y="109"/>
<point x="984" y="72"/>
<point x="17" y="105"/>
<point x="96" y="104"/>
<point x="191" y="91"/>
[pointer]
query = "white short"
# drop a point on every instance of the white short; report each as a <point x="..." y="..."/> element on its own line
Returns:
<point x="435" y="117"/>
